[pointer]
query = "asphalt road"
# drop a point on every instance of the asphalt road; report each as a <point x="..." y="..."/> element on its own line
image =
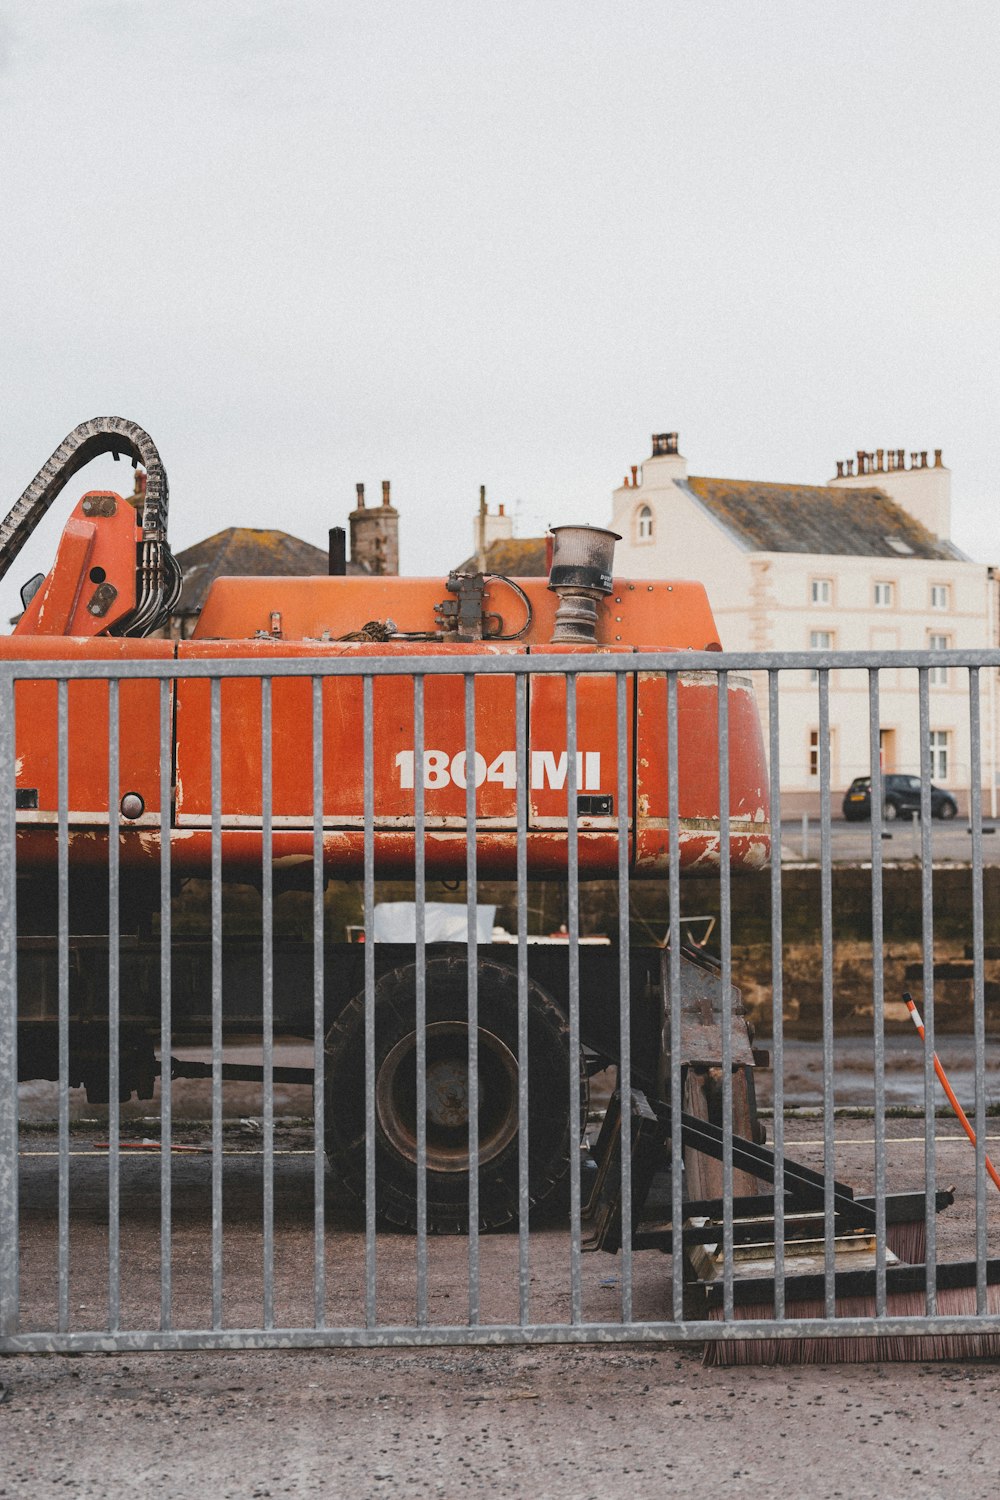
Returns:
<point x="901" y="840"/>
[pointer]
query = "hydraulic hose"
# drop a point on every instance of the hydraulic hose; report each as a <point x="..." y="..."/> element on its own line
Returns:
<point x="158" y="580"/>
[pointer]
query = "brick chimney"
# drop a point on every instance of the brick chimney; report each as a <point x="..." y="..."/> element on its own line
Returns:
<point x="923" y="489"/>
<point x="375" y="534"/>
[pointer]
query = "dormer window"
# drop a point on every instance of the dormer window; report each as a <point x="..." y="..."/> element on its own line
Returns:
<point x="644" y="524"/>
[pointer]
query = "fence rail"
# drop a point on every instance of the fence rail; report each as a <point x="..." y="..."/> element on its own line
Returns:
<point x="425" y="1058"/>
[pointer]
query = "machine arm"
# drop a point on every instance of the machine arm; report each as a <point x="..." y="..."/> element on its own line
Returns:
<point x="158" y="582"/>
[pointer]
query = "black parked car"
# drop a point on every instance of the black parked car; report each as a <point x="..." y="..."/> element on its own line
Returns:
<point x="901" y="798"/>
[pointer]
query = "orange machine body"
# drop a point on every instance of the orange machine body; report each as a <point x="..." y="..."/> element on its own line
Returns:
<point x="265" y="619"/>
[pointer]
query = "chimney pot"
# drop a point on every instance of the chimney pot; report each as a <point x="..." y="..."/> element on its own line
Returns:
<point x="861" y="461"/>
<point x="337" y="565"/>
<point x="849" y="466"/>
<point x="938" y="464"/>
<point x="840" y="468"/>
<point x="900" y="458"/>
<point x="635" y="471"/>
<point x="500" y="509"/>
<point x="879" y="452"/>
<point x="361" y="496"/>
<point x="385" y="492"/>
<point x="671" y="442"/>
<point x="923" y="459"/>
<point x="913" y="460"/>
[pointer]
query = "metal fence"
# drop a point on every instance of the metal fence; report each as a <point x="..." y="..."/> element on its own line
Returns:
<point x="224" y="1245"/>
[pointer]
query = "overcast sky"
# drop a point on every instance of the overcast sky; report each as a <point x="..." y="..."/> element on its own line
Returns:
<point x="305" y="244"/>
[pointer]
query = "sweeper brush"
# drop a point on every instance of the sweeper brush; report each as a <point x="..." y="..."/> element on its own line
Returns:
<point x="826" y="1276"/>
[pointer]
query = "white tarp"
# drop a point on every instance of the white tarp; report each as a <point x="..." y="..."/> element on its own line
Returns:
<point x="444" y="922"/>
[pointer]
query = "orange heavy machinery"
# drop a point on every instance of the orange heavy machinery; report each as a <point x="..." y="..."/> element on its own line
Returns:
<point x="108" y="593"/>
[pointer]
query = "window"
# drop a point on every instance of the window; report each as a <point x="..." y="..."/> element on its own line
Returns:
<point x="940" y="596"/>
<point x="939" y="754"/>
<point x="821" y="590"/>
<point x="814" y="752"/>
<point x="883" y="595"/>
<point x="819" y="640"/>
<point x="644" y="527"/>
<point x="938" y="676"/>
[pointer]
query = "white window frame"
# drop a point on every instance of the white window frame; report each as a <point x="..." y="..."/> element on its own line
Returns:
<point x="821" y="591"/>
<point x="814" y="645"/>
<point x="644" y="524"/>
<point x="940" y="596"/>
<point x="940" y="748"/>
<point x="938" y="676"/>
<point x="886" y="587"/>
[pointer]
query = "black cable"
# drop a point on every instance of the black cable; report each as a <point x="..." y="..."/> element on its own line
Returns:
<point x="519" y="591"/>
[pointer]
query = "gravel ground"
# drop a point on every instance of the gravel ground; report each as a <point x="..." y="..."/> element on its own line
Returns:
<point x="630" y="1421"/>
<point x="547" y="1424"/>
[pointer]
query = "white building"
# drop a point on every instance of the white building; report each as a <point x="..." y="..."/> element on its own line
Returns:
<point x="862" y="563"/>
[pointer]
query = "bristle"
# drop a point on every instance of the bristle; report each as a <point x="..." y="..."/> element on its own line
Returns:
<point x="908" y="1242"/>
<point x="956" y="1302"/>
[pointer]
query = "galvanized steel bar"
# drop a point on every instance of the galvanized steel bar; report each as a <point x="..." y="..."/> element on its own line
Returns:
<point x="495" y="1335"/>
<point x="726" y="941"/>
<point x="472" y="971"/>
<point x="166" y="1008"/>
<point x="624" y="981"/>
<point x="10" y="1238"/>
<point x="216" y="777"/>
<point x="497" y="666"/>
<point x="114" y="1015"/>
<point x="319" y="1016"/>
<point x="62" y="794"/>
<point x="523" y="1054"/>
<point x="674" y="960"/>
<point x="573" y="932"/>
<point x="420" y="1018"/>
<point x="777" y="991"/>
<point x="978" y="977"/>
<point x="927" y="944"/>
<point x="878" y="985"/>
<point x="267" y="992"/>
<point x="368" y="732"/>
<point x="826" y="939"/>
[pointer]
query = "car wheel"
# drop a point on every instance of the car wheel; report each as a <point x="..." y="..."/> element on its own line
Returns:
<point x="890" y="812"/>
<point x="948" y="809"/>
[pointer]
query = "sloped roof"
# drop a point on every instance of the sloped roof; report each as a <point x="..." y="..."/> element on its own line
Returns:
<point x="515" y="557"/>
<point x="817" y="518"/>
<point x="244" y="551"/>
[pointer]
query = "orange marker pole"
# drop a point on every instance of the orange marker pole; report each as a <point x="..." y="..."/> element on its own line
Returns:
<point x="943" y="1080"/>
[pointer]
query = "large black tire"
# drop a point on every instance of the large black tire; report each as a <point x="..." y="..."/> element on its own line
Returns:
<point x="550" y="1139"/>
<point x="948" y="810"/>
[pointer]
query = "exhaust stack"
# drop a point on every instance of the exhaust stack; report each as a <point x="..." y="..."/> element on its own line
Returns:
<point x="582" y="560"/>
